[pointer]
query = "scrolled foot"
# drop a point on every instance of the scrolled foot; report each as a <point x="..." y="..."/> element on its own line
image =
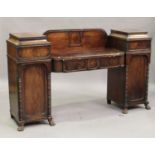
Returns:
<point x="20" y="128"/>
<point x="125" y="111"/>
<point x="108" y="101"/>
<point x="50" y="121"/>
<point x="147" y="107"/>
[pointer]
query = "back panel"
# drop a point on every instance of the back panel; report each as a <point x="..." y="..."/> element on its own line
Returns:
<point x="75" y="40"/>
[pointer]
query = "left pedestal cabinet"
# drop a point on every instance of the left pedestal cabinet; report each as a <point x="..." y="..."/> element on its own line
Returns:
<point x="29" y="71"/>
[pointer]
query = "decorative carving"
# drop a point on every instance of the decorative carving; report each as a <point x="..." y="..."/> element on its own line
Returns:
<point x="20" y="99"/>
<point x="146" y="89"/>
<point x="125" y="106"/>
<point x="75" y="65"/>
<point x="111" y="61"/>
<point x="93" y="63"/>
<point x="49" y="94"/>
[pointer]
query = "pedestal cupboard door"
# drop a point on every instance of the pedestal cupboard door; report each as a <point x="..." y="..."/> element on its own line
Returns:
<point x="137" y="78"/>
<point x="34" y="79"/>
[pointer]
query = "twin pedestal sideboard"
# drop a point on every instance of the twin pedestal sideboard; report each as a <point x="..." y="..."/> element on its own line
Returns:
<point x="32" y="58"/>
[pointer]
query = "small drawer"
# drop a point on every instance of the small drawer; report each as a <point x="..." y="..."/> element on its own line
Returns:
<point x="34" y="52"/>
<point x="143" y="44"/>
<point x="93" y="63"/>
<point x="74" y="65"/>
<point x="111" y="61"/>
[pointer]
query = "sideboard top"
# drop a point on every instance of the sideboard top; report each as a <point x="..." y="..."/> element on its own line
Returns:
<point x="27" y="36"/>
<point x="130" y="34"/>
<point x="129" y="31"/>
<point x="74" y="30"/>
<point x="27" y="39"/>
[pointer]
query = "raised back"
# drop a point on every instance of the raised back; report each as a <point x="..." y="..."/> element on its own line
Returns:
<point x="73" y="41"/>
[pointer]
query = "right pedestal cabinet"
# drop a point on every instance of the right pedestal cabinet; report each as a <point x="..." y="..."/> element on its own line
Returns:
<point x="128" y="85"/>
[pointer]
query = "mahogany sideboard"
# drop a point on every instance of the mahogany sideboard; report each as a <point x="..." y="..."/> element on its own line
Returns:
<point x="32" y="58"/>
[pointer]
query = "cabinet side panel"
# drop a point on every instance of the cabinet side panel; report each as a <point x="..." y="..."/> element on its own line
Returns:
<point x="35" y="91"/>
<point x="13" y="88"/>
<point x="11" y="50"/>
<point x="116" y="84"/>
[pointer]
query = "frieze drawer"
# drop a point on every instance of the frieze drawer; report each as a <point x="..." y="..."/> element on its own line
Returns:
<point x="143" y="44"/>
<point x="93" y="63"/>
<point x="111" y="61"/>
<point x="74" y="65"/>
<point x="34" y="52"/>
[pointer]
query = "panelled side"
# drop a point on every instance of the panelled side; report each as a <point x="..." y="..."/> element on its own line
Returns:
<point x="35" y="87"/>
<point x="12" y="81"/>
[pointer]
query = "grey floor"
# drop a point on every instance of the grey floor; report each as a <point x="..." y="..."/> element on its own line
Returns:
<point x="80" y="110"/>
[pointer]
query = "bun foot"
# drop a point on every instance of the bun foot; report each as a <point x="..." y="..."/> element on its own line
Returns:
<point x="51" y="122"/>
<point x="108" y="101"/>
<point x="125" y="111"/>
<point x="147" y="107"/>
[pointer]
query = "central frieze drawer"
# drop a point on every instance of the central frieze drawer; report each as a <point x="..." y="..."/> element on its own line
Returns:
<point x="92" y="63"/>
<point x="74" y="65"/>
